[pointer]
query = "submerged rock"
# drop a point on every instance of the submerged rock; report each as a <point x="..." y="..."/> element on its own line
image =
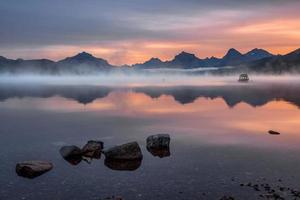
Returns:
<point x="32" y="169"/>
<point x="72" y="154"/>
<point x="163" y="152"/>
<point x="123" y="165"/>
<point x="92" y="149"/>
<point x="273" y="132"/>
<point x="129" y="151"/>
<point x="159" y="145"/>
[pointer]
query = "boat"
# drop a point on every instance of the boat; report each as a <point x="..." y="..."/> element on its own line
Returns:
<point x="244" y="78"/>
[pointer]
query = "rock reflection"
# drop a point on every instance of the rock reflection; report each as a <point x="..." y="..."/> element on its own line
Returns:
<point x="73" y="160"/>
<point x="162" y="152"/>
<point x="123" y="165"/>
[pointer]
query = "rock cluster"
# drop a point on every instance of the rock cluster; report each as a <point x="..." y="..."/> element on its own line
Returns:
<point x="74" y="155"/>
<point x="268" y="191"/>
<point x="122" y="157"/>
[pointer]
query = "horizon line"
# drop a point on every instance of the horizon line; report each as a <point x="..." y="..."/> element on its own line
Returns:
<point x="163" y="60"/>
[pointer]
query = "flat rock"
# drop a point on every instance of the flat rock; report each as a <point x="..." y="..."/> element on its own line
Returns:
<point x="129" y="151"/>
<point x="92" y="149"/>
<point x="32" y="169"/>
<point x="158" y="141"/>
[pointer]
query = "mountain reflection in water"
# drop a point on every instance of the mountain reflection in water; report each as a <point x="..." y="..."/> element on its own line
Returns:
<point x="252" y="94"/>
<point x="219" y="133"/>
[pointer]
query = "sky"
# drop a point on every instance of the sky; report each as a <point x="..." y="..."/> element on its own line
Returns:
<point x="133" y="31"/>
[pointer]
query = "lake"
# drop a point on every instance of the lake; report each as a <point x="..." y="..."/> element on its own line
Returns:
<point x="220" y="145"/>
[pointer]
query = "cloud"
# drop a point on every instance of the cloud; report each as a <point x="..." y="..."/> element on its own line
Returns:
<point x="129" y="30"/>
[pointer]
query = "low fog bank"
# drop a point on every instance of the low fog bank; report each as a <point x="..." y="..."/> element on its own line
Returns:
<point x="143" y="79"/>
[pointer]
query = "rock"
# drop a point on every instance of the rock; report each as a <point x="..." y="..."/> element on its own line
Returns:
<point x="72" y="154"/>
<point x="273" y="132"/>
<point x="68" y="151"/>
<point x="129" y="151"/>
<point x="92" y="149"/>
<point x="32" y="169"/>
<point x="158" y="145"/>
<point x="123" y="165"/>
<point x="158" y="141"/>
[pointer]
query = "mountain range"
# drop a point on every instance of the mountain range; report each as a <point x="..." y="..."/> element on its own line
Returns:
<point x="186" y="60"/>
<point x="256" y="60"/>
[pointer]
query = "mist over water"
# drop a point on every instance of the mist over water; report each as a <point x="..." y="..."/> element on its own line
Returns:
<point x="142" y="79"/>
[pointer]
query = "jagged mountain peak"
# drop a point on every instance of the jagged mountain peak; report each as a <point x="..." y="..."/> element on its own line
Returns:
<point x="184" y="53"/>
<point x="257" y="51"/>
<point x="154" y="60"/>
<point x="83" y="55"/>
<point x="185" y="56"/>
<point x="232" y="53"/>
<point x="257" y="54"/>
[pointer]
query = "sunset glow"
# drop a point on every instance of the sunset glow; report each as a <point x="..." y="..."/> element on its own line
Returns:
<point x="133" y="32"/>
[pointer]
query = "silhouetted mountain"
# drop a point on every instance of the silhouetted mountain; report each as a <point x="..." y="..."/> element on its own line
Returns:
<point x="288" y="63"/>
<point x="256" y="60"/>
<point x="185" y="60"/>
<point x="150" y="64"/>
<point x="84" y="59"/>
<point x="212" y="62"/>
<point x="233" y="57"/>
<point x="82" y="63"/>
<point x="257" y="54"/>
<point x="23" y="66"/>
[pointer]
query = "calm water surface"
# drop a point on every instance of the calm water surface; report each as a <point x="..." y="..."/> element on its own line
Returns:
<point x="219" y="139"/>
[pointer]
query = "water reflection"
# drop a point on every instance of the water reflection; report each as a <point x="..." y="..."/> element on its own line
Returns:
<point x="252" y="94"/>
<point x="123" y="165"/>
<point x="82" y="94"/>
<point x="254" y="109"/>
<point x="211" y="140"/>
<point x="161" y="152"/>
